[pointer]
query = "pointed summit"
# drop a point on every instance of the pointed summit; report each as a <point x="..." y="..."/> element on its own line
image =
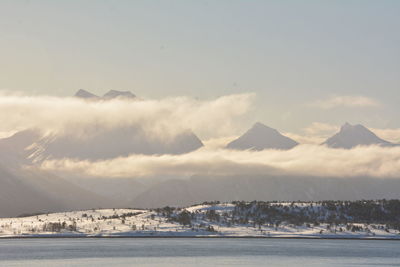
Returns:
<point x="85" y="94"/>
<point x="118" y="94"/>
<point x="261" y="137"/>
<point x="351" y="136"/>
<point x="346" y="126"/>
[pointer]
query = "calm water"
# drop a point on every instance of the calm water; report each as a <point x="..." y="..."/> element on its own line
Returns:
<point x="198" y="252"/>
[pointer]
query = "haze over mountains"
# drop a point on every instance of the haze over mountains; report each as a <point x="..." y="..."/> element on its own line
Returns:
<point x="25" y="187"/>
<point x="260" y="136"/>
<point x="103" y="142"/>
<point x="178" y="192"/>
<point x="27" y="190"/>
<point x="108" y="143"/>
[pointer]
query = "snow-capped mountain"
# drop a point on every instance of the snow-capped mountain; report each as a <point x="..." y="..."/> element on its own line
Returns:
<point x="351" y="136"/>
<point x="261" y="137"/>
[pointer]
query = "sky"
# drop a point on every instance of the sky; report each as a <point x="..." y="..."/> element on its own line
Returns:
<point x="306" y="62"/>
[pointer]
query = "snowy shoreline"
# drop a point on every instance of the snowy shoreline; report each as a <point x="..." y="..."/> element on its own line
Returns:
<point x="56" y="236"/>
<point x="212" y="220"/>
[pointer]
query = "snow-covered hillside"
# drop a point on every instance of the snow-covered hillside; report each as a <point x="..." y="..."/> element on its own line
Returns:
<point x="254" y="219"/>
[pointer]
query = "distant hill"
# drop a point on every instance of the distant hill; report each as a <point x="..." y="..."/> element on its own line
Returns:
<point x="351" y="136"/>
<point x="261" y="137"/>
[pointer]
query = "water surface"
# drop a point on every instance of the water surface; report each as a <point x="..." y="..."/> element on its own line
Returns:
<point x="198" y="252"/>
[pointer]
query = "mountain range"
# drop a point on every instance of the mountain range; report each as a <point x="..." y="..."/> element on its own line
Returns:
<point x="26" y="188"/>
<point x="112" y="94"/>
<point x="260" y="137"/>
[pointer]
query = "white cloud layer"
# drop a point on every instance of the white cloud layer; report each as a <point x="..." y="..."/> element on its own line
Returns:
<point x="346" y="101"/>
<point x="391" y="135"/>
<point x="160" y="118"/>
<point x="318" y="132"/>
<point x="310" y="160"/>
<point x="214" y="121"/>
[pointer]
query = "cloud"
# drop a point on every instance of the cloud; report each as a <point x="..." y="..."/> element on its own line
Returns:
<point x="316" y="133"/>
<point x="391" y="135"/>
<point x="319" y="128"/>
<point x="305" y="139"/>
<point x="346" y="101"/>
<point x="304" y="160"/>
<point x="158" y="118"/>
<point x="215" y="121"/>
<point x="220" y="142"/>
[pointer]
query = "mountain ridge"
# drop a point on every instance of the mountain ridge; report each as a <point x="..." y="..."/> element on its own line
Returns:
<point x="111" y="94"/>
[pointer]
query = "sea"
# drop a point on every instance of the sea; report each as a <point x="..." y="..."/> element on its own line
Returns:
<point x="197" y="252"/>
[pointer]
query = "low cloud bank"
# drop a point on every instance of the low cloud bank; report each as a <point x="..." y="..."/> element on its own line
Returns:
<point x="303" y="160"/>
<point x="214" y="121"/>
<point x="318" y="132"/>
<point x="159" y="118"/>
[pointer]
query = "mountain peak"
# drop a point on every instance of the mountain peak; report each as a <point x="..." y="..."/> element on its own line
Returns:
<point x="117" y="94"/>
<point x="85" y="94"/>
<point x="349" y="127"/>
<point x="260" y="137"/>
<point x="345" y="126"/>
<point x="351" y="136"/>
<point x="261" y="128"/>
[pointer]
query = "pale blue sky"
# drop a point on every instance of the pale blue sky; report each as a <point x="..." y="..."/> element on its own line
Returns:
<point x="290" y="53"/>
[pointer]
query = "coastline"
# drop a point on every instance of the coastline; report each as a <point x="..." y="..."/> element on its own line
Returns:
<point x="394" y="238"/>
<point x="199" y="221"/>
